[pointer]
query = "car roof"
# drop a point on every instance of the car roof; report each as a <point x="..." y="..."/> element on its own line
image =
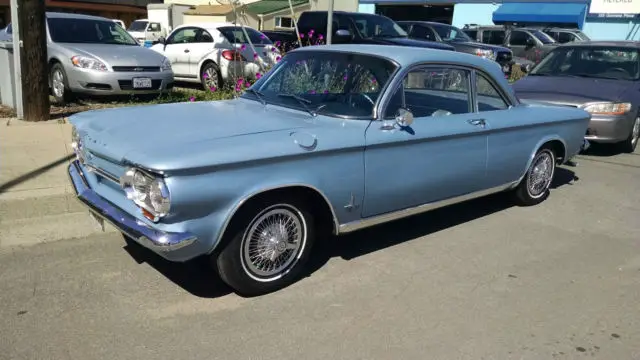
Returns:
<point x="604" y="43"/>
<point x="422" y="22"/>
<point x="60" y="15"/>
<point x="211" y="25"/>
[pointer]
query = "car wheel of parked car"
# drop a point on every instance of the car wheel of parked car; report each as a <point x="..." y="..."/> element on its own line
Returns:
<point x="534" y="187"/>
<point x="59" y="84"/>
<point x="267" y="247"/>
<point x="210" y="76"/>
<point x="629" y="145"/>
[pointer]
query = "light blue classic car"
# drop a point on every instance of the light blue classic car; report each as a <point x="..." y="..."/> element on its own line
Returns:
<point x="333" y="139"/>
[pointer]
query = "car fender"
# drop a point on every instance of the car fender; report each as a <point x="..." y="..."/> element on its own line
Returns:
<point x="544" y="140"/>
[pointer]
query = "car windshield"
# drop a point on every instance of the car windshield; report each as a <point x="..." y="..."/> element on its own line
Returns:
<point x="620" y="63"/>
<point x="451" y="33"/>
<point x="138" y="25"/>
<point x="235" y="35"/>
<point x="544" y="38"/>
<point x="325" y="82"/>
<point x="582" y="35"/>
<point x="371" y="26"/>
<point x="88" y="31"/>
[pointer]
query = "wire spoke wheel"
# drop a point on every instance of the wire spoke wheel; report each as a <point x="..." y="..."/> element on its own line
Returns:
<point x="273" y="243"/>
<point x="541" y="174"/>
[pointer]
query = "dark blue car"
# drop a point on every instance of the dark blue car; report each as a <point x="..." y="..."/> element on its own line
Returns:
<point x="601" y="77"/>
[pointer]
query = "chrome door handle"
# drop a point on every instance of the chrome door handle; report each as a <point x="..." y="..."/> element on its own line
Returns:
<point x="477" y="122"/>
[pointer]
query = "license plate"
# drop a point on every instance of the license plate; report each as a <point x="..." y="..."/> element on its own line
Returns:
<point x="99" y="221"/>
<point x="141" y="83"/>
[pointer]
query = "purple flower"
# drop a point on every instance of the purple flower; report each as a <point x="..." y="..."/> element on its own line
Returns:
<point x="238" y="88"/>
<point x="373" y="81"/>
<point x="247" y="84"/>
<point x="258" y="76"/>
<point x="244" y="46"/>
<point x="301" y="36"/>
<point x="345" y="78"/>
<point x="320" y="37"/>
<point x="205" y="76"/>
<point x="325" y="92"/>
<point x="312" y="92"/>
<point x="192" y="99"/>
<point x="255" y="55"/>
<point x="213" y="89"/>
<point x="277" y="43"/>
<point x="273" y="50"/>
<point x="278" y="58"/>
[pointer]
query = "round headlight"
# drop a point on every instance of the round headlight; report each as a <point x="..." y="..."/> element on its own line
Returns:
<point x="140" y="185"/>
<point x="159" y="197"/>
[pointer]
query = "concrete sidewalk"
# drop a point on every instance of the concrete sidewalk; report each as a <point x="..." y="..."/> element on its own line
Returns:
<point x="37" y="203"/>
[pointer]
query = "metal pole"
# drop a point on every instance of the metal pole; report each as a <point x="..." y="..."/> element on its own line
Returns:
<point x="17" y="47"/>
<point x="295" y="23"/>
<point x="329" y="22"/>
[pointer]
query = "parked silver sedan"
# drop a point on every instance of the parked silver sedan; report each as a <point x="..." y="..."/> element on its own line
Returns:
<point x="94" y="55"/>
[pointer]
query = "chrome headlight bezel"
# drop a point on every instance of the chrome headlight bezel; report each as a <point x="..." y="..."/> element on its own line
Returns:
<point x="88" y="63"/>
<point x="607" y="108"/>
<point x="144" y="189"/>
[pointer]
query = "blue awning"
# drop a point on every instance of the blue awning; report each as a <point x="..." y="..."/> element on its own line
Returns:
<point x="541" y="13"/>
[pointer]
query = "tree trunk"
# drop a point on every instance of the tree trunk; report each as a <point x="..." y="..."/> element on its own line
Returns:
<point x="33" y="60"/>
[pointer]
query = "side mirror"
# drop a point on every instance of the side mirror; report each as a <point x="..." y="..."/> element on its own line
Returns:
<point x="162" y="40"/>
<point x="530" y="42"/>
<point x="404" y="117"/>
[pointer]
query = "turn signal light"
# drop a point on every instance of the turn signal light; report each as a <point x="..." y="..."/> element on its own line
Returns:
<point x="232" y="55"/>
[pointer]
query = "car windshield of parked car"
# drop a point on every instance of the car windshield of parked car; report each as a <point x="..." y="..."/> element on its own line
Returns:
<point x="371" y="26"/>
<point x="591" y="62"/>
<point x="235" y="35"/>
<point x="582" y="36"/>
<point x="544" y="38"/>
<point x="138" y="25"/>
<point x="88" y="31"/>
<point x="324" y="82"/>
<point x="451" y="33"/>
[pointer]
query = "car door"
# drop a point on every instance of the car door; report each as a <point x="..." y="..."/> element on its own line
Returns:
<point x="177" y="49"/>
<point x="509" y="143"/>
<point x="520" y="42"/>
<point x="442" y="154"/>
<point x="202" y="44"/>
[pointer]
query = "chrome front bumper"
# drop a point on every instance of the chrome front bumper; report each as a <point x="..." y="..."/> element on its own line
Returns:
<point x="158" y="241"/>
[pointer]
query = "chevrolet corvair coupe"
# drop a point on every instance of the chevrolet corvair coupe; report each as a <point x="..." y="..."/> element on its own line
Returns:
<point x="334" y="138"/>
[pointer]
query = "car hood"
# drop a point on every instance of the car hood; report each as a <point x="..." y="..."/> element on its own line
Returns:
<point x="118" y="55"/>
<point x="403" y="41"/>
<point x="114" y="133"/>
<point x="568" y="90"/>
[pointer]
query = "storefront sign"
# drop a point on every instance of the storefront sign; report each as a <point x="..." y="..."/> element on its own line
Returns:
<point x="614" y="8"/>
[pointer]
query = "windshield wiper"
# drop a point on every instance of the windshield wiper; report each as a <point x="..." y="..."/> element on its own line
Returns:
<point x="304" y="102"/>
<point x="258" y="94"/>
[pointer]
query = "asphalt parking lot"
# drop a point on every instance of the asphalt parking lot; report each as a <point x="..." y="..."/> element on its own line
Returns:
<point x="481" y="280"/>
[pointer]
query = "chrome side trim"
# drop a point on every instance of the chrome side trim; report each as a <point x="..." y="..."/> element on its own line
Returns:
<point x="227" y="221"/>
<point x="155" y="240"/>
<point x="102" y="173"/>
<point x="396" y="215"/>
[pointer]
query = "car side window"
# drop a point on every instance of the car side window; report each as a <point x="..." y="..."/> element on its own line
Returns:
<point x="472" y="34"/>
<point x="183" y="36"/>
<point x="493" y="37"/>
<point x="489" y="98"/>
<point x="423" y="32"/>
<point x="154" y="27"/>
<point x="519" y="38"/>
<point x="432" y="91"/>
<point x="565" y="37"/>
<point x="202" y="36"/>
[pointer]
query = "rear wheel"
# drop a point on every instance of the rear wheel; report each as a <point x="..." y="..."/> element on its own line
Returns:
<point x="534" y="187"/>
<point x="210" y="77"/>
<point x="267" y="246"/>
<point x="630" y="144"/>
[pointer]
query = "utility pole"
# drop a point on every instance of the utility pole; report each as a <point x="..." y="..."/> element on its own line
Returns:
<point x="15" y="27"/>
<point x="330" y="22"/>
<point x="33" y="69"/>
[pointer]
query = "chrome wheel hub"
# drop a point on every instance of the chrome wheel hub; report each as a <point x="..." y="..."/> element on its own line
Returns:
<point x="57" y="83"/>
<point x="210" y="76"/>
<point x="635" y="133"/>
<point x="541" y="174"/>
<point x="273" y="243"/>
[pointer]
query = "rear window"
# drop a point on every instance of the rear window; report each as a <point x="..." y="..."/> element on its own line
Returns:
<point x="235" y="35"/>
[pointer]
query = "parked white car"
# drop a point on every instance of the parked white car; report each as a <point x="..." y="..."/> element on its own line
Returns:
<point x="119" y="22"/>
<point x="215" y="53"/>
